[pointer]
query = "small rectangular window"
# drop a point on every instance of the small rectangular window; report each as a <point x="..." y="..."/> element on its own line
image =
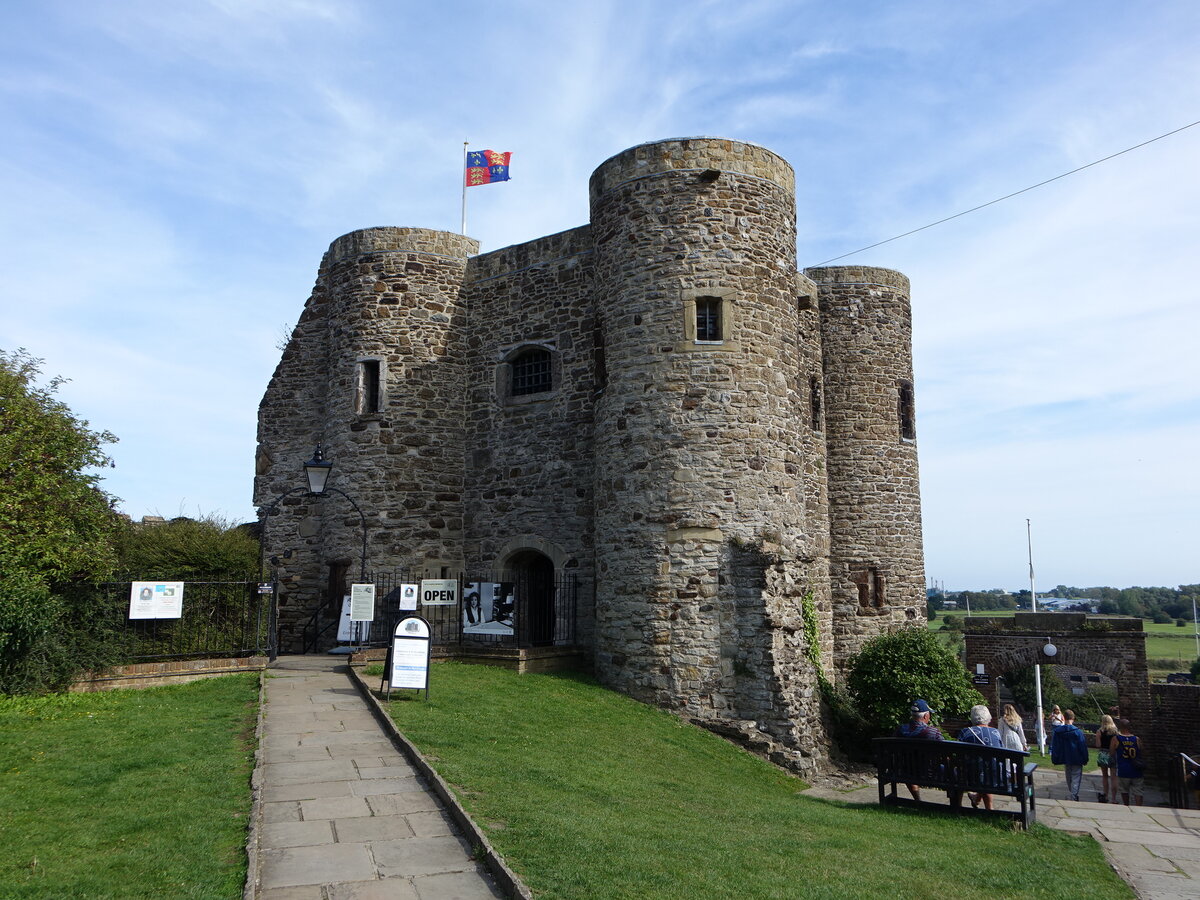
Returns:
<point x="532" y="373"/>
<point x="708" y="319"/>
<point x="908" y="418"/>
<point x="814" y="399"/>
<point x="369" y="387"/>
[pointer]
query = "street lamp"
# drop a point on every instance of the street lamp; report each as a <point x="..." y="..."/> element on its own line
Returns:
<point x="316" y="473"/>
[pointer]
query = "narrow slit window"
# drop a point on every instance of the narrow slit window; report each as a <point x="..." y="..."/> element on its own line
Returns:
<point x="908" y="418"/>
<point x="369" y="386"/>
<point x="532" y="373"/>
<point x="814" y="400"/>
<point x="708" y="320"/>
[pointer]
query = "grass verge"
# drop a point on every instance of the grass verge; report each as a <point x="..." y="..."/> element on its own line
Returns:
<point x="589" y="794"/>
<point x="127" y="794"/>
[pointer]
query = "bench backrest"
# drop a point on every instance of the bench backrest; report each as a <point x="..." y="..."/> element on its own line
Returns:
<point x="950" y="764"/>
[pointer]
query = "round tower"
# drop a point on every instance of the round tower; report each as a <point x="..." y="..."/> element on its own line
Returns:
<point x="876" y="557"/>
<point x="702" y="549"/>
<point x="386" y="320"/>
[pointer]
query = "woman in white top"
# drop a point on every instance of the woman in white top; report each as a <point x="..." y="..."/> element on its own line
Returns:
<point x="1012" y="734"/>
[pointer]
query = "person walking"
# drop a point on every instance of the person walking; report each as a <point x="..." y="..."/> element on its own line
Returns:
<point x="1069" y="749"/>
<point x="1104" y="735"/>
<point x="980" y="733"/>
<point x="918" y="727"/>
<point x="1129" y="753"/>
<point x="1012" y="731"/>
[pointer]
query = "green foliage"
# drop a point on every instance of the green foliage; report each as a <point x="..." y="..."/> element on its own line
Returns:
<point x="894" y="669"/>
<point x="55" y="521"/>
<point x="187" y="549"/>
<point x="1196" y="670"/>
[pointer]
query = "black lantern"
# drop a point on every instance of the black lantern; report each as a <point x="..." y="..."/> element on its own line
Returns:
<point x="317" y="472"/>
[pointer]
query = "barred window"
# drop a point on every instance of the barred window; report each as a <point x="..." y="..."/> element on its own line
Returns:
<point x="708" y="319"/>
<point x="531" y="373"/>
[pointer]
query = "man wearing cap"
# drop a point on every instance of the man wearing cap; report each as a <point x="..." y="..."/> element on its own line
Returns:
<point x="918" y="727"/>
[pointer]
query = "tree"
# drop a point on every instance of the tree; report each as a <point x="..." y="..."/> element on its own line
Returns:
<point x="188" y="549"/>
<point x="55" y="521"/>
<point x="894" y="669"/>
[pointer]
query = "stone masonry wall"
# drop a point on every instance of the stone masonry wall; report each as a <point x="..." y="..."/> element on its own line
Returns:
<point x="390" y="295"/>
<point x="876" y="565"/>
<point x="705" y="487"/>
<point x="701" y="537"/>
<point x="529" y="463"/>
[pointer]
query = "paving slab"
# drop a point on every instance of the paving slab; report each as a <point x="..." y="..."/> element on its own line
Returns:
<point x="316" y="865"/>
<point x="342" y="814"/>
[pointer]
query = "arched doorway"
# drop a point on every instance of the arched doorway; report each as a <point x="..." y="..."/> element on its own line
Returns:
<point x="532" y="574"/>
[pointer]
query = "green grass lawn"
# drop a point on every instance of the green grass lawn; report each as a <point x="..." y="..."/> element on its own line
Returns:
<point x="127" y="794"/>
<point x="589" y="794"/>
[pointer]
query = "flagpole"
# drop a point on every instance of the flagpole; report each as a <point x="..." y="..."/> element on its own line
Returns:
<point x="1037" y="669"/>
<point x="462" y="174"/>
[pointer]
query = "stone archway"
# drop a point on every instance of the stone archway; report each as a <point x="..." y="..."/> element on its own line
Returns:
<point x="532" y="573"/>
<point x="1111" y="645"/>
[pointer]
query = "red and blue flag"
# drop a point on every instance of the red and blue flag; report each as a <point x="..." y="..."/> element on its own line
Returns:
<point x="486" y="166"/>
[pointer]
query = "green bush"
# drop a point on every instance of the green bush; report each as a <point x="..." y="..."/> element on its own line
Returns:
<point x="894" y="669"/>
<point x="1196" y="671"/>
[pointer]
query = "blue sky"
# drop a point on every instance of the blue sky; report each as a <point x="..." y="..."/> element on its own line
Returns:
<point x="172" y="172"/>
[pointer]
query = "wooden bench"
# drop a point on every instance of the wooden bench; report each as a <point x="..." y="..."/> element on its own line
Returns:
<point x="956" y="769"/>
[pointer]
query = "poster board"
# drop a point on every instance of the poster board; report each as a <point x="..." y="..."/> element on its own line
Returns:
<point x="488" y="607"/>
<point x="408" y="597"/>
<point x="408" y="659"/>
<point x="156" y="600"/>
<point x="439" y="592"/>
<point x="362" y="602"/>
<point x="349" y="629"/>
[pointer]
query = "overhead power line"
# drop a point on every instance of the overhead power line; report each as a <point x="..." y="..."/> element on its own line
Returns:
<point x="1008" y="196"/>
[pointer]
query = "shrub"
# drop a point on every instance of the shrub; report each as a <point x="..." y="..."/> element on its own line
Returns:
<point x="894" y="669"/>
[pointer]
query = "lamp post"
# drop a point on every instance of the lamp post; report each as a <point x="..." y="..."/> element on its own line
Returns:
<point x="316" y="473"/>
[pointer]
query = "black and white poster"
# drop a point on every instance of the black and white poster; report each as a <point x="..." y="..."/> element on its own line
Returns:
<point x="488" y="607"/>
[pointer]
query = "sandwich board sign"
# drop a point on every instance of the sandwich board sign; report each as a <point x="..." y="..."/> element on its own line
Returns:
<point x="408" y="656"/>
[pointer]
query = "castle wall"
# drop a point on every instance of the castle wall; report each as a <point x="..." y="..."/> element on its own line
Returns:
<point x="876" y="565"/>
<point x="723" y="441"/>
<point x="700" y="506"/>
<point x="528" y="479"/>
<point x="386" y="297"/>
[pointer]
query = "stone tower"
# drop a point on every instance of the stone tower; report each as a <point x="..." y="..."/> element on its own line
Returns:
<point x="720" y="448"/>
<point x="876" y="563"/>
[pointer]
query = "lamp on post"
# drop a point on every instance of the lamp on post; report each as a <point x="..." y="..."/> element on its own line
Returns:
<point x="316" y="473"/>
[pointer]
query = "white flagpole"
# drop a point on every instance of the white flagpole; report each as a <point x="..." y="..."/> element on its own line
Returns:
<point x="1037" y="669"/>
<point x="463" y="177"/>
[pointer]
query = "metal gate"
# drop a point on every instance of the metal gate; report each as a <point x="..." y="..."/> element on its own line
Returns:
<point x="526" y="610"/>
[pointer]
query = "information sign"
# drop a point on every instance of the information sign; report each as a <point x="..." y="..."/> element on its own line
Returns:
<point x="439" y="592"/>
<point x="362" y="602"/>
<point x="409" y="663"/>
<point x="408" y="597"/>
<point x="156" y="600"/>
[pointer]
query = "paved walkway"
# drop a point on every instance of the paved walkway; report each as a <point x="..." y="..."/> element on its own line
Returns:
<point x="1155" y="849"/>
<point x="344" y="815"/>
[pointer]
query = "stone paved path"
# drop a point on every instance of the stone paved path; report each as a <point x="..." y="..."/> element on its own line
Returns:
<point x="344" y="815"/>
<point x="1155" y="849"/>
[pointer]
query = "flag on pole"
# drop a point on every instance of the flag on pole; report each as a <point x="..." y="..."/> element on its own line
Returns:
<point x="486" y="166"/>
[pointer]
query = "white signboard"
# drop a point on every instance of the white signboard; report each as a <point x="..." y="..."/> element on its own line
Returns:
<point x="408" y="597"/>
<point x="488" y="607"/>
<point x="439" y="592"/>
<point x="362" y="602"/>
<point x="156" y="600"/>
<point x="350" y="629"/>
<point x="410" y="655"/>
